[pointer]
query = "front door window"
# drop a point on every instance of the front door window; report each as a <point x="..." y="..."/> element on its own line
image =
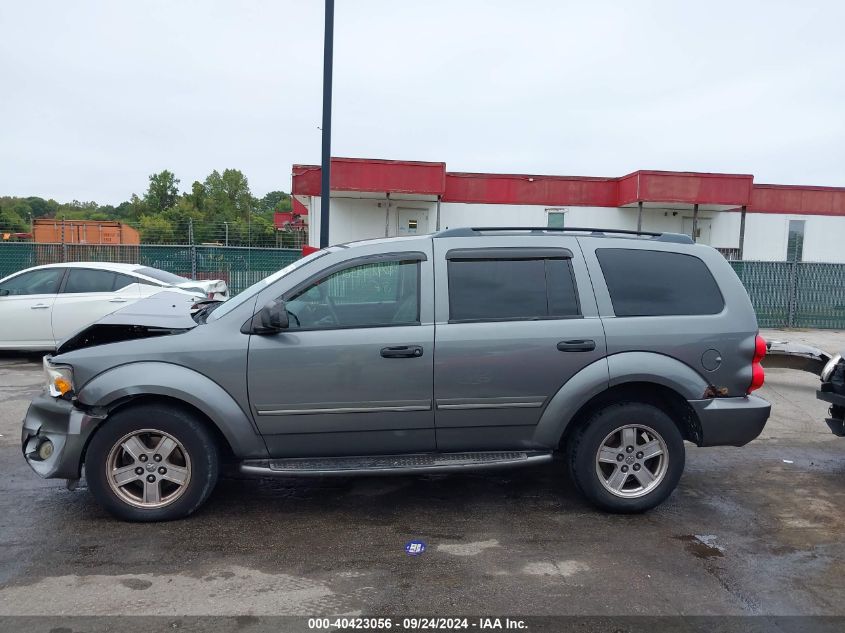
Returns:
<point x="375" y="294"/>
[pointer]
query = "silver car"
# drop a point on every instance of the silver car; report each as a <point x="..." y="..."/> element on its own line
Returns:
<point x="466" y="349"/>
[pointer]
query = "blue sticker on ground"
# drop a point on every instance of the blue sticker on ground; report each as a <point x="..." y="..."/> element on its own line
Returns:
<point x="414" y="548"/>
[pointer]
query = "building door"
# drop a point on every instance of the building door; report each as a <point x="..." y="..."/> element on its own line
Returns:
<point x="413" y="221"/>
<point x="704" y="225"/>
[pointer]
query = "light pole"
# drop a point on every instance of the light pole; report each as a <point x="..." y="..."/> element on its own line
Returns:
<point x="325" y="185"/>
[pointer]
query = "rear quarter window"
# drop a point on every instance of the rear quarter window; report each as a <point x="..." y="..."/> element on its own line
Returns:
<point x="658" y="283"/>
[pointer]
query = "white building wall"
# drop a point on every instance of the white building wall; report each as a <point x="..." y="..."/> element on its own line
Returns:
<point x="366" y="218"/>
<point x="765" y="234"/>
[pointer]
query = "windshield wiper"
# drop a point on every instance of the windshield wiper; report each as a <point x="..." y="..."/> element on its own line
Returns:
<point x="201" y="315"/>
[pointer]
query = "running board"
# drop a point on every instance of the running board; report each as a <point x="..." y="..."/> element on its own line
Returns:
<point x="393" y="464"/>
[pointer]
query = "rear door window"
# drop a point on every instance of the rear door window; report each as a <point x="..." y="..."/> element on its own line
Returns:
<point x="81" y="280"/>
<point x="658" y="283"/>
<point x="121" y="281"/>
<point x="489" y="289"/>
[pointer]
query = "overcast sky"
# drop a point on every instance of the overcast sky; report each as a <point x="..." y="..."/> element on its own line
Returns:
<point x="97" y="95"/>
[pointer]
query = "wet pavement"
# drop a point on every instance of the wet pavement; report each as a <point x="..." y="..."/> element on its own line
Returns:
<point x="753" y="530"/>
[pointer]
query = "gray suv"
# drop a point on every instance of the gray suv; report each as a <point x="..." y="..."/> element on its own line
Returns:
<point x="467" y="349"/>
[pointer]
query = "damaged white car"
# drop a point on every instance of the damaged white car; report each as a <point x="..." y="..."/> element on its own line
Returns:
<point x="41" y="306"/>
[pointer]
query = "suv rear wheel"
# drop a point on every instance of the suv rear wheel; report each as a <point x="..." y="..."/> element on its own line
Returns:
<point x="152" y="463"/>
<point x="628" y="457"/>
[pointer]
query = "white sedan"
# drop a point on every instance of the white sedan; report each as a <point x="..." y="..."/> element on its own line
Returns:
<point x="41" y="306"/>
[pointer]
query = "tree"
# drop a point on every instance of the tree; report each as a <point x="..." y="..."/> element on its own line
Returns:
<point x="275" y="201"/>
<point x="228" y="196"/>
<point x="156" y="230"/>
<point x="162" y="192"/>
<point x="219" y="206"/>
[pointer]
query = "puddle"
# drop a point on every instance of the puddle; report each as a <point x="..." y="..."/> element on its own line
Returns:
<point x="701" y="545"/>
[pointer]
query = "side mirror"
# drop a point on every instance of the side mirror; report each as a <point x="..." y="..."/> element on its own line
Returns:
<point x="4" y="292"/>
<point x="270" y="319"/>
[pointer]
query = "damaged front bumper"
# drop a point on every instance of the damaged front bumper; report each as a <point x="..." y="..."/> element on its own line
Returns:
<point x="66" y="427"/>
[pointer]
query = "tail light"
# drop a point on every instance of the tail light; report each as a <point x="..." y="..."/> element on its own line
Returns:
<point x="758" y="377"/>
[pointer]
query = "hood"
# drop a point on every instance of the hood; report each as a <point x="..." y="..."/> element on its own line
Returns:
<point x="162" y="314"/>
<point x="207" y="286"/>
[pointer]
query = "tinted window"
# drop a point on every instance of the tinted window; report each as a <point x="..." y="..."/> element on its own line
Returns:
<point x="795" y="241"/>
<point x="489" y="289"/>
<point x="563" y="298"/>
<point x="653" y="283"/>
<point x="37" y="282"/>
<point x="87" y="280"/>
<point x="121" y="281"/>
<point x="556" y="219"/>
<point x="376" y="294"/>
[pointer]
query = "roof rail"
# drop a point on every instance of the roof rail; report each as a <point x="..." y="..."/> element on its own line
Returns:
<point x="676" y="238"/>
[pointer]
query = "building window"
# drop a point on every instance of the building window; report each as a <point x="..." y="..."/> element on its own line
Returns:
<point x="795" y="241"/>
<point x="555" y="218"/>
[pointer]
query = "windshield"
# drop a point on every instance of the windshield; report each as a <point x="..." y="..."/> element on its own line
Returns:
<point x="161" y="275"/>
<point x="257" y="287"/>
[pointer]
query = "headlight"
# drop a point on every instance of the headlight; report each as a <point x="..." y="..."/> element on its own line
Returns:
<point x="59" y="379"/>
<point x="827" y="372"/>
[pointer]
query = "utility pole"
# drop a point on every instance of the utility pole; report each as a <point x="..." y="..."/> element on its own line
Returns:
<point x="193" y="248"/>
<point x="226" y="224"/>
<point x="325" y="185"/>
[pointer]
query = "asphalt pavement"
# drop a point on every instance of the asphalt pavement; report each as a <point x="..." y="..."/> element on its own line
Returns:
<point x="756" y="530"/>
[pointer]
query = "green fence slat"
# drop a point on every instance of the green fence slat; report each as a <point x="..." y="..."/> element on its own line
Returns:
<point x="767" y="284"/>
<point x="820" y="295"/>
<point x="240" y="267"/>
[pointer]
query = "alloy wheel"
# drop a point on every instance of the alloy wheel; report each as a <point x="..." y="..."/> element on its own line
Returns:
<point x="632" y="461"/>
<point x="148" y="468"/>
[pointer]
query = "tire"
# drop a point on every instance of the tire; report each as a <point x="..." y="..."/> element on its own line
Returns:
<point x="612" y="430"/>
<point x="124" y="470"/>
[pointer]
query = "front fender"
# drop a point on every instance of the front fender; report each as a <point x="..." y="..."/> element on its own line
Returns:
<point x="175" y="381"/>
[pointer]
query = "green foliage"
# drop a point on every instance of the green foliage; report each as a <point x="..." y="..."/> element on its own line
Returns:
<point x="220" y="205"/>
<point x="163" y="192"/>
<point x="156" y="229"/>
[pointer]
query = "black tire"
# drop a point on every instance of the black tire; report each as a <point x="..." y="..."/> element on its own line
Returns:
<point x="184" y="427"/>
<point x="583" y="449"/>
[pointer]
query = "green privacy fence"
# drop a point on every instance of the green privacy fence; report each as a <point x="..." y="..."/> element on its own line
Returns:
<point x="785" y="294"/>
<point x="238" y="266"/>
<point x="795" y="294"/>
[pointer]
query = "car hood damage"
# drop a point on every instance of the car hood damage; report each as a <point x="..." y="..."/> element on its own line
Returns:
<point x="160" y="315"/>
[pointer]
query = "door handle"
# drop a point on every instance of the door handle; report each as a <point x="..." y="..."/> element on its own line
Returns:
<point x="402" y="351"/>
<point x="579" y="345"/>
<point x="118" y="300"/>
<point x="39" y="306"/>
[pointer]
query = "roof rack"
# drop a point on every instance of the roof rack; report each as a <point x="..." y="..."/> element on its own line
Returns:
<point x="676" y="238"/>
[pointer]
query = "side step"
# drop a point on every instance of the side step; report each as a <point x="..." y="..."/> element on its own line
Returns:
<point x="393" y="464"/>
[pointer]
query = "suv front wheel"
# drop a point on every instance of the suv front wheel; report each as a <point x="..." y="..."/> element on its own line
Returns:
<point x="152" y="463"/>
<point x="628" y="457"/>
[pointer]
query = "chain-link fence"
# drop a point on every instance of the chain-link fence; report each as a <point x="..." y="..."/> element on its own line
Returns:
<point x="784" y="294"/>
<point x="795" y="294"/>
<point x="239" y="267"/>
